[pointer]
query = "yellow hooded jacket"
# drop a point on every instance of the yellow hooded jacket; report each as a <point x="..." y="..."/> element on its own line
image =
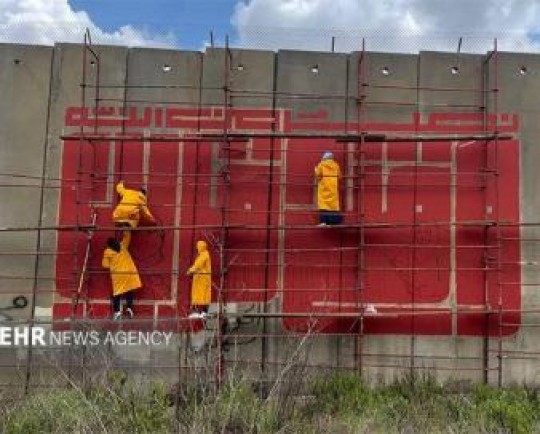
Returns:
<point x="124" y="274"/>
<point x="201" y="286"/>
<point x="327" y="174"/>
<point x="131" y="205"/>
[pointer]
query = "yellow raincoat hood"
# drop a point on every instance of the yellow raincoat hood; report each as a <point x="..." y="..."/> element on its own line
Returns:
<point x="201" y="246"/>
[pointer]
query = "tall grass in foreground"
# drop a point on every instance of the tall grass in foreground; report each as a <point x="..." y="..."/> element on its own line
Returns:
<point x="339" y="403"/>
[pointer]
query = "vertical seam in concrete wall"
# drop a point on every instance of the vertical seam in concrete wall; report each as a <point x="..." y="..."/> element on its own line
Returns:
<point x="415" y="217"/>
<point x="349" y="186"/>
<point x="124" y="108"/>
<point x="452" y="283"/>
<point x="179" y="186"/>
<point x="146" y="158"/>
<point x="197" y="155"/>
<point x="385" y="177"/>
<point x="40" y="220"/>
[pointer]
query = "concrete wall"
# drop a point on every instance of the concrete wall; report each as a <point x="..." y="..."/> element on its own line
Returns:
<point x="38" y="83"/>
<point x="519" y="93"/>
<point x="26" y="83"/>
<point x="24" y="125"/>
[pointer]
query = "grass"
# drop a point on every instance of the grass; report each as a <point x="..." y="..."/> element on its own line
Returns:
<point x="421" y="404"/>
<point x="339" y="403"/>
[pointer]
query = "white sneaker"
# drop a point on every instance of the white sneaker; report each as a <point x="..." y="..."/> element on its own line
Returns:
<point x="194" y="315"/>
<point x="322" y="225"/>
<point x="129" y="312"/>
<point x="117" y="316"/>
<point x="371" y="309"/>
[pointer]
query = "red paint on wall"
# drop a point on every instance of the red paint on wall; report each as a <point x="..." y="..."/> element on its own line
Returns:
<point x="416" y="273"/>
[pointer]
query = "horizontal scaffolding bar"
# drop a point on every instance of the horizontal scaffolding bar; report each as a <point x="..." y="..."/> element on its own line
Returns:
<point x="91" y="228"/>
<point x="270" y="93"/>
<point x="140" y="321"/>
<point x="293" y="250"/>
<point x="246" y="136"/>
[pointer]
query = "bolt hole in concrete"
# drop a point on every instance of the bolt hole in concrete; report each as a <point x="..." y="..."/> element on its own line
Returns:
<point x="16" y="61"/>
<point x="240" y="67"/>
<point x="92" y="63"/>
<point x="315" y="69"/>
<point x="454" y="70"/>
<point x="385" y="70"/>
<point x="166" y="68"/>
<point x="523" y="70"/>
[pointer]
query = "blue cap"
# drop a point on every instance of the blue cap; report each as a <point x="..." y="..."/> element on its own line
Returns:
<point x="328" y="156"/>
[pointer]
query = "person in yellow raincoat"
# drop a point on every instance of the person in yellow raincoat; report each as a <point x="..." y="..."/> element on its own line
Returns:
<point x="201" y="286"/>
<point x="327" y="174"/>
<point x="132" y="207"/>
<point x="124" y="274"/>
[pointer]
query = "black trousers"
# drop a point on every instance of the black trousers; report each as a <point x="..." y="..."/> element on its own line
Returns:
<point x="330" y="217"/>
<point x="128" y="296"/>
<point x="200" y="308"/>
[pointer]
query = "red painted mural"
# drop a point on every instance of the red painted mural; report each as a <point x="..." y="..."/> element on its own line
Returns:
<point x="432" y="256"/>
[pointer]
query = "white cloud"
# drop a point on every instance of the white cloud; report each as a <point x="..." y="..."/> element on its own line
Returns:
<point x="389" y="25"/>
<point x="49" y="21"/>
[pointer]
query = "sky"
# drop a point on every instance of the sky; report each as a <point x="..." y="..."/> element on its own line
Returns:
<point x="387" y="25"/>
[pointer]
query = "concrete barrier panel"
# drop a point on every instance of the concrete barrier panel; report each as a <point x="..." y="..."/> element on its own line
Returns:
<point x="66" y="94"/>
<point x="383" y="85"/>
<point x="250" y="77"/>
<point x="517" y="80"/>
<point x="25" y="79"/>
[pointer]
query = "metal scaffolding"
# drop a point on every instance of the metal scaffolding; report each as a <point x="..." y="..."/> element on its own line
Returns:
<point x="263" y="323"/>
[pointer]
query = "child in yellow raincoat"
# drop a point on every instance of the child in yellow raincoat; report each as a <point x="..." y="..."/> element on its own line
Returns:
<point x="327" y="174"/>
<point x="124" y="274"/>
<point x="132" y="207"/>
<point x="201" y="286"/>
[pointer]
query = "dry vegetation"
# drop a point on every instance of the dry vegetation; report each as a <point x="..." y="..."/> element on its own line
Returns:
<point x="339" y="403"/>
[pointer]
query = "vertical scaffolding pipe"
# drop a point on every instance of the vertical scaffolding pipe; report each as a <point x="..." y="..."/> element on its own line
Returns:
<point x="96" y="63"/>
<point x="412" y="251"/>
<point x="498" y="229"/>
<point x="124" y="119"/>
<point x="220" y="368"/>
<point x="196" y="172"/>
<point x="268" y="238"/>
<point x="80" y="149"/>
<point x="486" y="251"/>
<point x="195" y="202"/>
<point x="79" y="183"/>
<point x="82" y="280"/>
<point x="88" y="252"/>
<point x="360" y="184"/>
<point x="97" y="83"/>
<point x="348" y="155"/>
<point x="340" y="297"/>
<point x="197" y="161"/>
<point x="82" y="275"/>
<point x="186" y="336"/>
<point x="33" y="300"/>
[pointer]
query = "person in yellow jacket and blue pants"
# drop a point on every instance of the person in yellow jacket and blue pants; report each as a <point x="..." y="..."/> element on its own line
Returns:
<point x="124" y="274"/>
<point x="328" y="174"/>
<point x="201" y="286"/>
